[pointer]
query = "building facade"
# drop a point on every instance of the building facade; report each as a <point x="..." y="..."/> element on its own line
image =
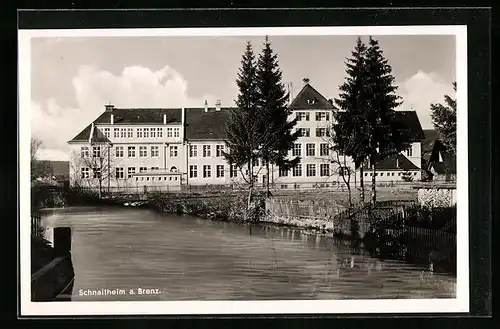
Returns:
<point x="169" y="149"/>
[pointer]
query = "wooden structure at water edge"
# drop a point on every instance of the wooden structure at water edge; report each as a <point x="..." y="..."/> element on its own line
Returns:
<point x="54" y="280"/>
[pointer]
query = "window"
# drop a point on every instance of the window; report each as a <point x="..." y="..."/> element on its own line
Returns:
<point x="116" y="132"/>
<point x="206" y="151"/>
<point x="324" y="169"/>
<point x="96" y="151"/>
<point x="297" y="170"/>
<point x="155" y="151"/>
<point x="159" y="132"/>
<point x="233" y="171"/>
<point x="143" y="151"/>
<point x="146" y="132"/>
<point x="310" y="150"/>
<point x="107" y="132"/>
<point x="193" y="151"/>
<point x="153" y="132"/>
<point x="173" y="151"/>
<point x="174" y="169"/>
<point x="169" y="132"/>
<point x="130" y="132"/>
<point x="139" y="132"/>
<point x="302" y="116"/>
<point x="176" y="132"/>
<point x="297" y="150"/>
<point x="320" y="116"/>
<point x="311" y="101"/>
<point x="130" y="171"/>
<point x="123" y="132"/>
<point x="311" y="170"/>
<point x="218" y="150"/>
<point x="84" y="151"/>
<point x="143" y="169"/>
<point x="323" y="149"/>
<point x="193" y="171"/>
<point x="206" y="171"/>
<point x="409" y="152"/>
<point x="131" y="151"/>
<point x="283" y="173"/>
<point x="85" y="173"/>
<point x="220" y="171"/>
<point x="255" y="162"/>
<point x="322" y="132"/>
<point x="119" y="151"/>
<point x="97" y="172"/>
<point x="382" y="174"/>
<point x="119" y="173"/>
<point x="304" y="132"/>
<point x="155" y="168"/>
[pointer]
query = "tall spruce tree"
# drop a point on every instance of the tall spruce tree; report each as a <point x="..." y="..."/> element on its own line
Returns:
<point x="243" y="137"/>
<point x="444" y="119"/>
<point x="276" y="129"/>
<point x="386" y="135"/>
<point x="349" y="130"/>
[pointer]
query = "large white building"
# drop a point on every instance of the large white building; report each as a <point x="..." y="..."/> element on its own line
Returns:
<point x="148" y="149"/>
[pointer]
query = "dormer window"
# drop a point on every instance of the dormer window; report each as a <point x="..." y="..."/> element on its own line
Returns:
<point x="311" y="101"/>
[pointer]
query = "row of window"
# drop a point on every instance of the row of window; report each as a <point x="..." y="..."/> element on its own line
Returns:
<point x="320" y="116"/>
<point x="119" y="171"/>
<point x="142" y="132"/>
<point x="387" y="174"/>
<point x="324" y="149"/>
<point x="320" y="132"/>
<point x="206" y="151"/>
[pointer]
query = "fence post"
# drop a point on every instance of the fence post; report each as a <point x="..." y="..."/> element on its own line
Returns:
<point x="62" y="241"/>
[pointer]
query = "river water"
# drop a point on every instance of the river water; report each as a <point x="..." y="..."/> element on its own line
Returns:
<point x="123" y="250"/>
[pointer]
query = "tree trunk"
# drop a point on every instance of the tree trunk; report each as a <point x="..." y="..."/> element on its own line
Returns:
<point x="250" y="174"/>
<point x="361" y="183"/>
<point x="100" y="189"/>
<point x="267" y="179"/>
<point x="374" y="194"/>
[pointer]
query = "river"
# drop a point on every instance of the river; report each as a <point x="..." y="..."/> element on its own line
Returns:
<point x="118" y="249"/>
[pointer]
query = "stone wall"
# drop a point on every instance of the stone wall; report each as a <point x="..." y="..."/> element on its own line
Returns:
<point x="437" y="197"/>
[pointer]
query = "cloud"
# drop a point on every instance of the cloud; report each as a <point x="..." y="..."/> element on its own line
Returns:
<point x="136" y="86"/>
<point x="420" y="91"/>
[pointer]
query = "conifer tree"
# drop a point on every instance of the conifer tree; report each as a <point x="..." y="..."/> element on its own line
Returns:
<point x="276" y="129"/>
<point x="349" y="130"/>
<point x="444" y="119"/>
<point x="386" y="135"/>
<point x="243" y="127"/>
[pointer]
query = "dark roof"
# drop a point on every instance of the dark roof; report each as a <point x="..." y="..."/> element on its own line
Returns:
<point x="410" y="120"/>
<point x="449" y="163"/>
<point x="309" y="93"/>
<point x="431" y="135"/>
<point x="84" y="135"/>
<point x="140" y="115"/>
<point x="98" y="136"/>
<point x="394" y="162"/>
<point x="201" y="125"/>
<point x="132" y="116"/>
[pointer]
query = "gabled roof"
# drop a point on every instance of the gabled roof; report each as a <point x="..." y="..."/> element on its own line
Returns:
<point x="431" y="136"/>
<point x="140" y="115"/>
<point x="394" y="162"/>
<point x="305" y="95"/>
<point x="448" y="165"/>
<point x="130" y="116"/>
<point x="201" y="125"/>
<point x="410" y="120"/>
<point x="84" y="135"/>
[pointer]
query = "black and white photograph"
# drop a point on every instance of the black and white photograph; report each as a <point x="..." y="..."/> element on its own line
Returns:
<point x="243" y="170"/>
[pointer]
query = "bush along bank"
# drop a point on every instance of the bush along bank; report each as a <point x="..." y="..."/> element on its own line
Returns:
<point x="223" y="207"/>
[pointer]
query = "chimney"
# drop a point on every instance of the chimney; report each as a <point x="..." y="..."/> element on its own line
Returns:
<point x="397" y="162"/>
<point x="306" y="81"/>
<point x="91" y="132"/>
<point x="217" y="105"/>
<point x="164" y="119"/>
<point x="112" y="119"/>
<point x="206" y="106"/>
<point x="109" y="107"/>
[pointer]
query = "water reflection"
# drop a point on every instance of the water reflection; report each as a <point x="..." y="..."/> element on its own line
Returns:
<point x="186" y="258"/>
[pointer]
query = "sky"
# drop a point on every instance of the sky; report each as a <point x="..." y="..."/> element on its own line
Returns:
<point x="72" y="78"/>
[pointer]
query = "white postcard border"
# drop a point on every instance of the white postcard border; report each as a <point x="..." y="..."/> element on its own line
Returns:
<point x="458" y="304"/>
